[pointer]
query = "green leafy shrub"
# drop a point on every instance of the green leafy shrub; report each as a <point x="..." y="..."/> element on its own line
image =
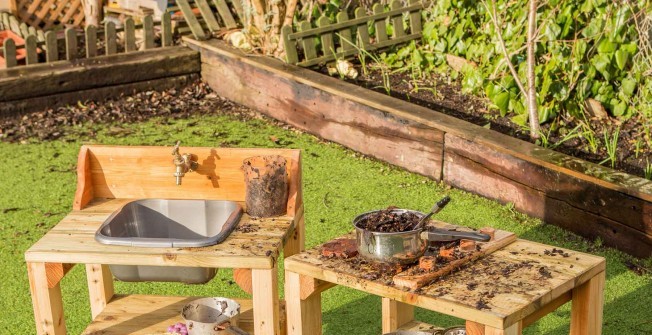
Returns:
<point x="585" y="49"/>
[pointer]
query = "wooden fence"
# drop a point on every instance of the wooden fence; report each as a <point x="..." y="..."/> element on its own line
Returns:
<point x="347" y="37"/>
<point x="207" y="17"/>
<point x="48" y="43"/>
<point x="47" y="13"/>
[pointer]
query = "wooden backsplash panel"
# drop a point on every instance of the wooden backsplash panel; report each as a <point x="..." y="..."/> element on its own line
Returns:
<point x="136" y="172"/>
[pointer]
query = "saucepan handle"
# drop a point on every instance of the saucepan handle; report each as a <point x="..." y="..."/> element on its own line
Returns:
<point x="435" y="235"/>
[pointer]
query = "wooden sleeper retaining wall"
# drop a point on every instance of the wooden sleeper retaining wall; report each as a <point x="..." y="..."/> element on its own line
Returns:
<point x="586" y="198"/>
<point x="35" y="87"/>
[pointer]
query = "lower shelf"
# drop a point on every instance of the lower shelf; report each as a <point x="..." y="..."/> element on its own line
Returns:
<point x="419" y="326"/>
<point x="151" y="314"/>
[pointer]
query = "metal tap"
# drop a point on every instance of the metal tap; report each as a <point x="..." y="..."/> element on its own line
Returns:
<point x="183" y="163"/>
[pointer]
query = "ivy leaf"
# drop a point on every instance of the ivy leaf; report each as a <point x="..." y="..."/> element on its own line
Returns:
<point x="606" y="47"/>
<point x="620" y="109"/>
<point x="593" y="28"/>
<point x="601" y="63"/>
<point x="501" y="101"/>
<point x="621" y="58"/>
<point x="628" y="86"/>
<point x="551" y="31"/>
<point x="520" y="119"/>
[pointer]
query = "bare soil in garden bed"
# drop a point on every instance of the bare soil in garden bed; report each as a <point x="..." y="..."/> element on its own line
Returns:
<point x="445" y="95"/>
<point x="64" y="121"/>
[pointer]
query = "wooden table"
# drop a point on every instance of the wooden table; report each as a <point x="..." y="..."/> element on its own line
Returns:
<point x="499" y="294"/>
<point x="109" y="177"/>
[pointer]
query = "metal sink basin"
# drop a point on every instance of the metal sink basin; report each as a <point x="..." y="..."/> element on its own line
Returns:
<point x="163" y="223"/>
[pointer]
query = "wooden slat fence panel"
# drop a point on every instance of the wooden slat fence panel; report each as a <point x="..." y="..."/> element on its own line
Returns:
<point x="214" y="15"/>
<point x="353" y="34"/>
<point x="47" y="13"/>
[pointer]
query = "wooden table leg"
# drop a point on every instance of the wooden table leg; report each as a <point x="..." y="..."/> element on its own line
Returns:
<point x="46" y="300"/>
<point x="395" y="314"/>
<point x="303" y="315"/>
<point x="586" y="309"/>
<point x="265" y="297"/>
<point x="100" y="287"/>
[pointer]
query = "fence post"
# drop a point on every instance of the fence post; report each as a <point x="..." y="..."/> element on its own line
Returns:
<point x="415" y="19"/>
<point x="71" y="44"/>
<point x="30" y="49"/>
<point x="308" y="41"/>
<point x="130" y="35"/>
<point x="9" y="51"/>
<point x="327" y="45"/>
<point x="51" y="47"/>
<point x="363" y="30"/>
<point x="380" y="25"/>
<point x="166" y="30"/>
<point x="91" y="41"/>
<point x="110" y="38"/>
<point x="346" y="40"/>
<point x="397" y="21"/>
<point x="148" y="32"/>
<point x="290" y="46"/>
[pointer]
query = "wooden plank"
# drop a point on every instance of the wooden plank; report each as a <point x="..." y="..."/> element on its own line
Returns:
<point x="91" y="41"/>
<point x="19" y="107"/>
<point x="71" y="44"/>
<point x="148" y="32"/>
<point x="395" y="314"/>
<point x="290" y="46"/>
<point x="327" y="44"/>
<point x="9" y="53"/>
<point x="377" y="134"/>
<point x="84" y="192"/>
<point x="515" y="329"/>
<point x="24" y="30"/>
<point x="303" y="315"/>
<point x="547" y="309"/>
<point x="632" y="211"/>
<point x="41" y="35"/>
<point x="110" y="38"/>
<point x="469" y="175"/>
<point x="191" y="20"/>
<point x="363" y="29"/>
<point x="414" y="281"/>
<point x="55" y="272"/>
<point x="47" y="302"/>
<point x="415" y="19"/>
<point x="51" y="47"/>
<point x="166" y="30"/>
<point x="346" y="40"/>
<point x="100" y="287"/>
<point x="225" y="13"/>
<point x="265" y="298"/>
<point x="397" y="20"/>
<point x="15" y="25"/>
<point x="239" y="10"/>
<point x="46" y="79"/>
<point x="207" y="14"/>
<point x="586" y="310"/>
<point x="474" y="328"/>
<point x="151" y="314"/>
<point x="31" y="49"/>
<point x="514" y="295"/>
<point x="308" y="43"/>
<point x="130" y="35"/>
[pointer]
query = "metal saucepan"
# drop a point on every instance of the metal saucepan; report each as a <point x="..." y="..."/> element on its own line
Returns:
<point x="212" y="316"/>
<point x="404" y="247"/>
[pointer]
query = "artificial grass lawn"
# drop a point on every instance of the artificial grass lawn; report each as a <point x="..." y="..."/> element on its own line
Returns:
<point x="39" y="181"/>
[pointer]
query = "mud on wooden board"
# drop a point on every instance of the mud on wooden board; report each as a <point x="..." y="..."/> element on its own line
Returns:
<point x="512" y="282"/>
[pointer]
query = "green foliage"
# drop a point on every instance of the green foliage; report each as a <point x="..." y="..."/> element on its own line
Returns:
<point x="585" y="49"/>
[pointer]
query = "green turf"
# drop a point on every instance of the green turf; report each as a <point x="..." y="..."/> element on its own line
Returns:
<point x="38" y="184"/>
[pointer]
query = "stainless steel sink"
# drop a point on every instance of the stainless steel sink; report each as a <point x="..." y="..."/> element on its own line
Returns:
<point x="163" y="223"/>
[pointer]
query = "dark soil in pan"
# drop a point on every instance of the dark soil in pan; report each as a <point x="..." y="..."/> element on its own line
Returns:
<point x="444" y="95"/>
<point x="389" y="221"/>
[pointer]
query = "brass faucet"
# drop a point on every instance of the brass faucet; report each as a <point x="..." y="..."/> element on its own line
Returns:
<point x="184" y="163"/>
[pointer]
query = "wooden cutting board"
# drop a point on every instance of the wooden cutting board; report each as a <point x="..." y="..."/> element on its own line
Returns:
<point x="414" y="278"/>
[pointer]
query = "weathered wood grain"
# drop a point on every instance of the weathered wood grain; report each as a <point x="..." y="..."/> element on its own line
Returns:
<point x="408" y="144"/>
<point x="61" y="77"/>
<point x="22" y="106"/>
<point x="552" y="207"/>
<point x="148" y="314"/>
